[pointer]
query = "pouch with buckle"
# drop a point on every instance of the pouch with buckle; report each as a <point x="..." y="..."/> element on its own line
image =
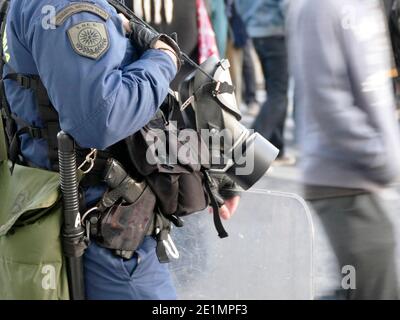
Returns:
<point x="124" y="226"/>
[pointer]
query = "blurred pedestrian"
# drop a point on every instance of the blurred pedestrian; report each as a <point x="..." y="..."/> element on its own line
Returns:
<point x="219" y="20"/>
<point x="340" y="59"/>
<point x="249" y="80"/>
<point x="265" y="22"/>
<point x="237" y="39"/>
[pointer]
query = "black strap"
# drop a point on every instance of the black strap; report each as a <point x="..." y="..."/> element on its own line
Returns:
<point x="51" y="127"/>
<point x="161" y="251"/>
<point x="28" y="81"/>
<point x="4" y="107"/>
<point x="214" y="88"/>
<point x="47" y="113"/>
<point x="9" y="125"/>
<point x="224" y="87"/>
<point x="214" y="205"/>
<point x="3" y="143"/>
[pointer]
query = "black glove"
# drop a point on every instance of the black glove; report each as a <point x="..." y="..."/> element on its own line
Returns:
<point x="227" y="188"/>
<point x="145" y="38"/>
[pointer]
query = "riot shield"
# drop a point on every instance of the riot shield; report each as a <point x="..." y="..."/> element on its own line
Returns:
<point x="268" y="254"/>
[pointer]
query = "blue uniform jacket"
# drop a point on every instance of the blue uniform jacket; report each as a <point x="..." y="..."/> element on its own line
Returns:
<point x="100" y="99"/>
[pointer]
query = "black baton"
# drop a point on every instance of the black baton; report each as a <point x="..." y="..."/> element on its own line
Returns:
<point x="73" y="235"/>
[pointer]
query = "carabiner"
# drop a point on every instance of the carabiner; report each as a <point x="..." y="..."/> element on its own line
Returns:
<point x="90" y="159"/>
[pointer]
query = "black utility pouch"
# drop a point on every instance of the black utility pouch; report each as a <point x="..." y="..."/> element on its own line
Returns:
<point x="180" y="193"/>
<point x="178" y="185"/>
<point x="124" y="227"/>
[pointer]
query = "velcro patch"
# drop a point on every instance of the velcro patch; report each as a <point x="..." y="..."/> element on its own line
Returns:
<point x="74" y="8"/>
<point x="89" y="39"/>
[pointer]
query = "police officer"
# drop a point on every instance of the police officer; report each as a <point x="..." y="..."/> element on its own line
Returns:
<point x="105" y="86"/>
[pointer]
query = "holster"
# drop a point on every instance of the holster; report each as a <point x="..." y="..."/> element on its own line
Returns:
<point x="124" y="227"/>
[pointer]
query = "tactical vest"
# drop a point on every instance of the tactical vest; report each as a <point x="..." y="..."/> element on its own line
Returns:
<point x="180" y="189"/>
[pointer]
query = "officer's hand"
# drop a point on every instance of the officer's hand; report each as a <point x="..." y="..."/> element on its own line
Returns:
<point x="160" y="45"/>
<point x="228" y="194"/>
<point x="145" y="38"/>
<point x="229" y="208"/>
<point x="125" y="23"/>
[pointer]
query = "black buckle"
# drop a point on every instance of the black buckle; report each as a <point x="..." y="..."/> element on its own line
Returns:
<point x="28" y="82"/>
<point x="25" y="82"/>
<point x="35" y="133"/>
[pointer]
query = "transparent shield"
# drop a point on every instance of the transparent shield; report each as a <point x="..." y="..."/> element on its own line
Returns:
<point x="268" y="254"/>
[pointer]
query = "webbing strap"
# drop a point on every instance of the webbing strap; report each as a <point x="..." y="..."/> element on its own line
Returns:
<point x="28" y="81"/>
<point x="47" y="113"/>
<point x="3" y="145"/>
<point x="214" y="205"/>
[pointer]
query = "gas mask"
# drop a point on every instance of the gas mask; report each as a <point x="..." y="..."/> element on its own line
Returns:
<point x="209" y="106"/>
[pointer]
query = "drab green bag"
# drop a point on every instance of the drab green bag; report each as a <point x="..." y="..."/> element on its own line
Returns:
<point x="31" y="260"/>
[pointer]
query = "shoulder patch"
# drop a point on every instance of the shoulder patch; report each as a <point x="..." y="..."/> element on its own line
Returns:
<point x="74" y="8"/>
<point x="89" y="39"/>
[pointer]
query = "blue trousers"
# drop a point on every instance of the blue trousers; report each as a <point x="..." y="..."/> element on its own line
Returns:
<point x="271" y="120"/>
<point x="108" y="277"/>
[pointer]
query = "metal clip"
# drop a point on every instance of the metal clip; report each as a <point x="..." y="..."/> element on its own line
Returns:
<point x="88" y="224"/>
<point x="216" y="91"/>
<point x="170" y="246"/>
<point x="90" y="159"/>
<point x="85" y="215"/>
<point x="187" y="103"/>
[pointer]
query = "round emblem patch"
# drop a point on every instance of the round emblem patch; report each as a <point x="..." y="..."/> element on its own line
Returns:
<point x="89" y="39"/>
